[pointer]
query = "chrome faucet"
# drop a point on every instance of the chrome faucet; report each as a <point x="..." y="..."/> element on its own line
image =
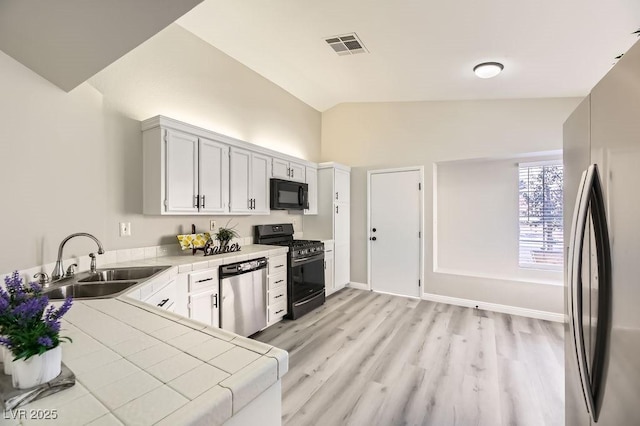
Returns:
<point x="58" y="271"/>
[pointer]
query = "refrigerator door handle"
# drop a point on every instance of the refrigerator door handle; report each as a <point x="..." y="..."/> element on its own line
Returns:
<point x="603" y="259"/>
<point x="580" y="216"/>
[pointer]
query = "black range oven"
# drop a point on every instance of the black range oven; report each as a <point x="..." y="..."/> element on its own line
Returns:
<point x="305" y="261"/>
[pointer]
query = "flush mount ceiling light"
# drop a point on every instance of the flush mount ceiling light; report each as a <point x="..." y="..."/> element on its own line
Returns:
<point x="488" y="69"/>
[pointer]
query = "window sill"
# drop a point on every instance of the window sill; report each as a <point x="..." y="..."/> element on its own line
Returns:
<point x="557" y="283"/>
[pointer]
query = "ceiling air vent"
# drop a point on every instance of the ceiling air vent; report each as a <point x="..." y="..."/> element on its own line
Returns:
<point x="346" y="44"/>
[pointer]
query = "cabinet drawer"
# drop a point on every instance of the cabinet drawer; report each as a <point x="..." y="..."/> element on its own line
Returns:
<point x="277" y="264"/>
<point x="278" y="295"/>
<point x="278" y="280"/>
<point x="203" y="280"/>
<point x="164" y="298"/>
<point x="277" y="311"/>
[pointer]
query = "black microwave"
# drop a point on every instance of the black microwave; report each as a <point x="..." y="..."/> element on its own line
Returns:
<point x="288" y="195"/>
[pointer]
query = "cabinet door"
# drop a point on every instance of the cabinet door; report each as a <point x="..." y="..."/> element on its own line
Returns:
<point x="260" y="183"/>
<point x="311" y="176"/>
<point x="341" y="223"/>
<point x="181" y="172"/>
<point x="329" y="285"/>
<point x="203" y="307"/>
<point x="240" y="167"/>
<point x="280" y="168"/>
<point x="342" y="186"/>
<point x="213" y="176"/>
<point x="297" y="172"/>
<point x="342" y="265"/>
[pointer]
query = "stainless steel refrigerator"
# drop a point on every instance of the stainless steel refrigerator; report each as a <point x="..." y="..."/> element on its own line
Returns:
<point x="602" y="273"/>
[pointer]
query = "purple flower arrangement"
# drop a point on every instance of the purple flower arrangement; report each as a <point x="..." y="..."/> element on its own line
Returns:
<point x="28" y="324"/>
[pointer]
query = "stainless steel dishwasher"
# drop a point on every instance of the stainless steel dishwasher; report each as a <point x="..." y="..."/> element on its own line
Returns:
<point x="243" y="289"/>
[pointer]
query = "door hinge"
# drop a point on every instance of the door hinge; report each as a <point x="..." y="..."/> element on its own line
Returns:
<point x="166" y="135"/>
<point x="419" y="283"/>
<point x="419" y="186"/>
<point x="165" y="203"/>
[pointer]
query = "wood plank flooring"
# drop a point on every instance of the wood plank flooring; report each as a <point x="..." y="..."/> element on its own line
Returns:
<point x="373" y="359"/>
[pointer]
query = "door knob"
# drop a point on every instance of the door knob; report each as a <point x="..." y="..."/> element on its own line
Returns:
<point x="373" y="238"/>
<point x="374" y="229"/>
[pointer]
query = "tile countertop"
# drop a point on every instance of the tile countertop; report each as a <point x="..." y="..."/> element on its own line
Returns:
<point x="136" y="364"/>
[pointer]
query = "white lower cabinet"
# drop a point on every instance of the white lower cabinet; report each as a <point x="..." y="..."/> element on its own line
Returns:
<point x="161" y="294"/>
<point x="277" y="289"/>
<point x="329" y="283"/>
<point x="203" y="307"/>
<point x="203" y="303"/>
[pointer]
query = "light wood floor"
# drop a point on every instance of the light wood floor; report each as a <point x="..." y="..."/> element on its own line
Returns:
<point x="366" y="358"/>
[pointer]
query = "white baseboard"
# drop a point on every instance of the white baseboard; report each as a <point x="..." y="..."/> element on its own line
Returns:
<point x="495" y="307"/>
<point x="359" y="286"/>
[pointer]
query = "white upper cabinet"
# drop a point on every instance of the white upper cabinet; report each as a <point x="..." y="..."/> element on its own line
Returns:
<point x="214" y="176"/>
<point x="311" y="177"/>
<point x="182" y="172"/>
<point x="288" y="170"/>
<point x="249" y="182"/>
<point x="260" y="183"/>
<point x="342" y="186"/>
<point x="240" y="166"/>
<point x="188" y="170"/>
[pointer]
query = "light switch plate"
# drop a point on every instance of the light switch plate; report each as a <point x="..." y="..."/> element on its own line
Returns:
<point x="212" y="225"/>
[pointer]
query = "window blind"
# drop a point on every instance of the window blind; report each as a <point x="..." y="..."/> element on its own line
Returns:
<point x="540" y="215"/>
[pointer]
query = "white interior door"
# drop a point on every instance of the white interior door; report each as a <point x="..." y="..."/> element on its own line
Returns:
<point x="394" y="239"/>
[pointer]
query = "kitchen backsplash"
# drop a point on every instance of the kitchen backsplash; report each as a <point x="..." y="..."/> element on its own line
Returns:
<point x="117" y="256"/>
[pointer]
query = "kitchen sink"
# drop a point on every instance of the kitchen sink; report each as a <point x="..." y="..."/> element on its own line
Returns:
<point x="122" y="274"/>
<point x="104" y="283"/>
<point x="92" y="290"/>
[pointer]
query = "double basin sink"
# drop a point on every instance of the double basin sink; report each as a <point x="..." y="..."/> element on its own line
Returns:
<point x="104" y="283"/>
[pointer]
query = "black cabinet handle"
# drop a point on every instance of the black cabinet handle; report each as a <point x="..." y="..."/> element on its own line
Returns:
<point x="204" y="279"/>
<point x="203" y="201"/>
<point x="196" y="201"/>
<point x="215" y="300"/>
<point x="162" y="303"/>
<point x="280" y="295"/>
<point x="281" y="310"/>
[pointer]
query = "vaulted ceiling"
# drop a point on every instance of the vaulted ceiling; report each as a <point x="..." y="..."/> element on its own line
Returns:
<point x="68" y="41"/>
<point x="421" y="49"/>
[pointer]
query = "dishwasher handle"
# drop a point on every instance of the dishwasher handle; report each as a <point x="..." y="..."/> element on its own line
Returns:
<point x="242" y="267"/>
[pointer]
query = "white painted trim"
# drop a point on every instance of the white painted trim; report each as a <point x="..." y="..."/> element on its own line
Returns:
<point x="332" y="165"/>
<point x="495" y="307"/>
<point x="420" y="170"/>
<point x="481" y="275"/>
<point x="359" y="286"/>
<point x="396" y="294"/>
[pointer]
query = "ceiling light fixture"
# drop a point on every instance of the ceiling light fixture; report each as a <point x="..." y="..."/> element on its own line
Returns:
<point x="488" y="69"/>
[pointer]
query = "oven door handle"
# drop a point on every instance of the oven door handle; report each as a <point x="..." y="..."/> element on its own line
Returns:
<point x="297" y="262"/>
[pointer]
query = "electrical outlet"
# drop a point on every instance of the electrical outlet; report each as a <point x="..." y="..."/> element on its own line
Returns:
<point x="212" y="225"/>
<point x="125" y="229"/>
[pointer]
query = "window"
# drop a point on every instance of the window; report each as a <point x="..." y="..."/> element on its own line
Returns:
<point x="540" y="216"/>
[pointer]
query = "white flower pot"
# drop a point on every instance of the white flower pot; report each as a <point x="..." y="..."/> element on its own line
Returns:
<point x="38" y="369"/>
<point x="7" y="359"/>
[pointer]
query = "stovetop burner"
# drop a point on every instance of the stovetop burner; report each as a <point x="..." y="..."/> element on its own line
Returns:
<point x="282" y="235"/>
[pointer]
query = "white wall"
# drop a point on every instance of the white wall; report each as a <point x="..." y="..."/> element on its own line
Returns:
<point x="72" y="162"/>
<point x="477" y="221"/>
<point x="372" y="136"/>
